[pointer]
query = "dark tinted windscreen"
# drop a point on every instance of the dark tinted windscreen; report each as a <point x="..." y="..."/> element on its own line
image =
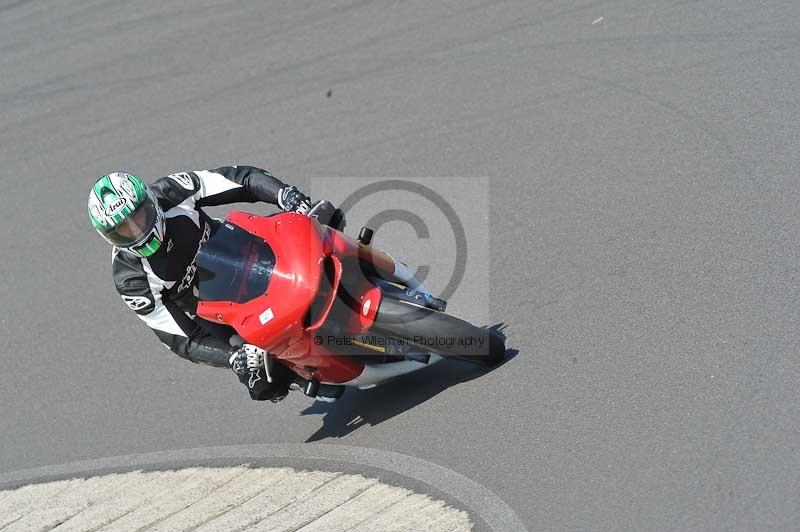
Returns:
<point x="234" y="266"/>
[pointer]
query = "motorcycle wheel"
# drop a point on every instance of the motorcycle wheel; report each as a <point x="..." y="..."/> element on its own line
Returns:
<point x="439" y="332"/>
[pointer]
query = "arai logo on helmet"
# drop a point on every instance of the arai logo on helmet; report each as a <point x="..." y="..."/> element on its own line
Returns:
<point x="115" y="206"/>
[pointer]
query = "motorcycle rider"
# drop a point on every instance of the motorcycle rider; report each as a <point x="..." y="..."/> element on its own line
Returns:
<point x="156" y="231"/>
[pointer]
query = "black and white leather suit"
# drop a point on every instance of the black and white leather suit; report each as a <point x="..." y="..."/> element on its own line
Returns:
<point x="162" y="289"/>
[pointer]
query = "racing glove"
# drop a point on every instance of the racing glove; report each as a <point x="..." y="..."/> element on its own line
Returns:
<point x="264" y="381"/>
<point x="290" y="199"/>
<point x="247" y="362"/>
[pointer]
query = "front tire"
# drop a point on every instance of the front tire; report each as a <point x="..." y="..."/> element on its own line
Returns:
<point x="438" y="332"/>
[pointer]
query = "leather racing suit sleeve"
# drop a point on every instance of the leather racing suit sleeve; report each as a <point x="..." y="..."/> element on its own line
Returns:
<point x="227" y="184"/>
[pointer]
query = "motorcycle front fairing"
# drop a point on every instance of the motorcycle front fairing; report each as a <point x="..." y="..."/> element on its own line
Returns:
<point x="262" y="276"/>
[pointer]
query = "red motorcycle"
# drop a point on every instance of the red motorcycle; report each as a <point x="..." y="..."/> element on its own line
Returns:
<point x="334" y="310"/>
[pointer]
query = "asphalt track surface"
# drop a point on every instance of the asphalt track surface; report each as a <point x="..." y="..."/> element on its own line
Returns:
<point x="633" y="166"/>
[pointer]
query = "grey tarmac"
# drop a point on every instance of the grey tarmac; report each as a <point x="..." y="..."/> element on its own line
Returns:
<point x="626" y="173"/>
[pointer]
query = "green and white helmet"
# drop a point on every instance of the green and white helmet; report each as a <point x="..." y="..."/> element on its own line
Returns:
<point x="126" y="213"/>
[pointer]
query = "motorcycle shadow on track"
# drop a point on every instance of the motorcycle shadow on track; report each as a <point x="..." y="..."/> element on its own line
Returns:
<point x="358" y="408"/>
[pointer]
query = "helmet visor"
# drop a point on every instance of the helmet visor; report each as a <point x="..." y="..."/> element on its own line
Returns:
<point x="134" y="227"/>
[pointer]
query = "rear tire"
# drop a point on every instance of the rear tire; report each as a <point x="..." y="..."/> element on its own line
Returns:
<point x="438" y="332"/>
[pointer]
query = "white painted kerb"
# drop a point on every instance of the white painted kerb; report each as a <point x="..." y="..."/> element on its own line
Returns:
<point x="225" y="499"/>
